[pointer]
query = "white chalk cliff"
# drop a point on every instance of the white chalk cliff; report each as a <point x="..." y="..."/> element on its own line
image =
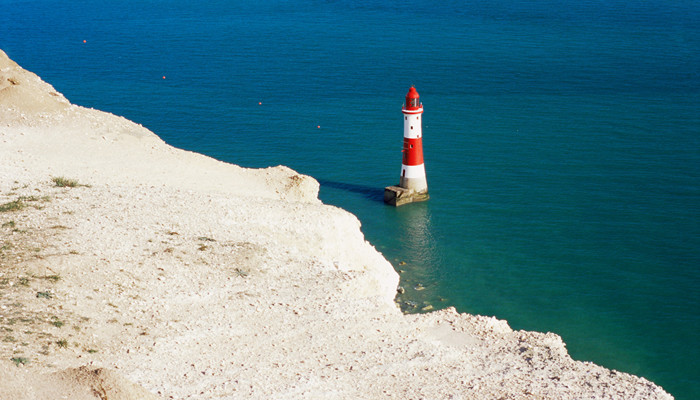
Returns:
<point x="164" y="273"/>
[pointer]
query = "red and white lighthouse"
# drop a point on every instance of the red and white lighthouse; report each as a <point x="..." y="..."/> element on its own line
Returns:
<point x="413" y="185"/>
<point x="412" y="167"/>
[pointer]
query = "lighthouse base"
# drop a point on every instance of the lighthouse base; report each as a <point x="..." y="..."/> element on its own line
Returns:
<point x="398" y="196"/>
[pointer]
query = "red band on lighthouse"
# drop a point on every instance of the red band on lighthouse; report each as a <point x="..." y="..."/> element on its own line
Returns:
<point x="412" y="151"/>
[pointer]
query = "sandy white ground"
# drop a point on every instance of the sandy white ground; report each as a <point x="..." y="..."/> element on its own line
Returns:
<point x="197" y="279"/>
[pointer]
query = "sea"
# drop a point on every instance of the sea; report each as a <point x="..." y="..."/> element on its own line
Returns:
<point x="561" y="140"/>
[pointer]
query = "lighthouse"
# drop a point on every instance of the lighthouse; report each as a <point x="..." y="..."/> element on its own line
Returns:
<point x="413" y="186"/>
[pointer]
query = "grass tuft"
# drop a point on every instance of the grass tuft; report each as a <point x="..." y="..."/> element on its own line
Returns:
<point x="19" y="360"/>
<point x="52" y="278"/>
<point x="60" y="181"/>
<point x="12" y="206"/>
<point x="21" y="203"/>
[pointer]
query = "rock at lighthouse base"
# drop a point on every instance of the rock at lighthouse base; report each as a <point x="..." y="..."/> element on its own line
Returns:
<point x="398" y="196"/>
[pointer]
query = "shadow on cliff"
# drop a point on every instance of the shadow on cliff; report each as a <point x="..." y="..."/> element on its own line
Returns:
<point x="372" y="193"/>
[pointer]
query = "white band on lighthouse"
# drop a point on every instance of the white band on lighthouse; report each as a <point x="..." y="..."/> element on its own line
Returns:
<point x="416" y="111"/>
<point x="413" y="171"/>
<point x="412" y="126"/>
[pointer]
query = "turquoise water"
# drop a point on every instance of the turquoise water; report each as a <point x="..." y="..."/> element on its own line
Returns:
<point x="561" y="139"/>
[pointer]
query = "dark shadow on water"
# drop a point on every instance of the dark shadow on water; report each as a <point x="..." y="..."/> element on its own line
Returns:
<point x="369" y="192"/>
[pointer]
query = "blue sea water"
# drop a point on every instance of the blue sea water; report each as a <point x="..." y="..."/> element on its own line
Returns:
<point x="561" y="138"/>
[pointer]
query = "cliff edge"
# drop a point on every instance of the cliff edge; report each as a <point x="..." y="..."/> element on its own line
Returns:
<point x="131" y="269"/>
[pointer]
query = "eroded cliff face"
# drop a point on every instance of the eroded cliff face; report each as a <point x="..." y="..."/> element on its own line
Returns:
<point x="24" y="93"/>
<point x="199" y="279"/>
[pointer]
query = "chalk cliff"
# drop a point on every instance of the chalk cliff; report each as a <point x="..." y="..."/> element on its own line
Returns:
<point x="154" y="271"/>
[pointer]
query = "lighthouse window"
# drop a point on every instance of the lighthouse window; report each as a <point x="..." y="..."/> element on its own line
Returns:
<point x="405" y="117"/>
<point x="411" y="127"/>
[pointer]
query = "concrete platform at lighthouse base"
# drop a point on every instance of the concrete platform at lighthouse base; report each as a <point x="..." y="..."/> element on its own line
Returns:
<point x="398" y="196"/>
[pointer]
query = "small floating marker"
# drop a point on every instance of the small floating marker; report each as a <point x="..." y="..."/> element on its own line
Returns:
<point x="318" y="126"/>
<point x="163" y="76"/>
<point x="260" y="102"/>
<point x="84" y="41"/>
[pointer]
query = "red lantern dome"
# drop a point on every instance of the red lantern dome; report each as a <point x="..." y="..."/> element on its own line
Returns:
<point x="412" y="99"/>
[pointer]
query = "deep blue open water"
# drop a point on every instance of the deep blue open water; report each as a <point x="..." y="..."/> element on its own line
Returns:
<point x="561" y="138"/>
